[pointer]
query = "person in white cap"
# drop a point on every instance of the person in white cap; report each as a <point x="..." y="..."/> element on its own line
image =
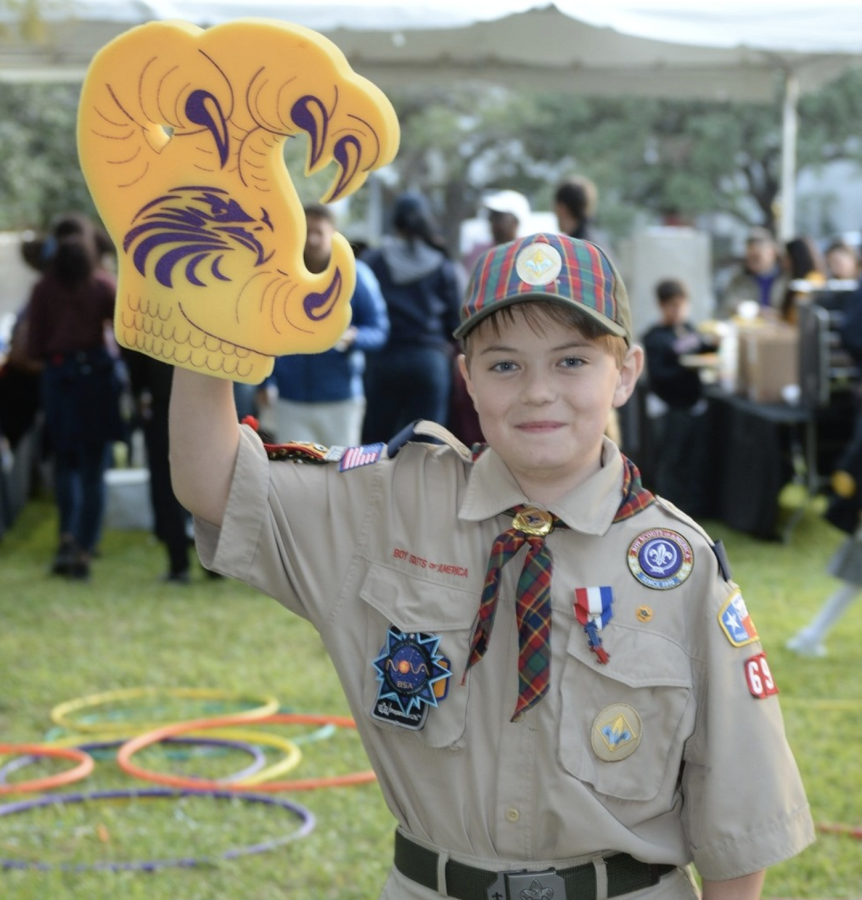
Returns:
<point x="507" y="212"/>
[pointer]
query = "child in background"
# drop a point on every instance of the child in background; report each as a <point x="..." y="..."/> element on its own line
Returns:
<point x="682" y="437"/>
<point x="621" y="721"/>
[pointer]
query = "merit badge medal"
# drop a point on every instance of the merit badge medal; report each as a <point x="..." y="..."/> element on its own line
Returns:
<point x="661" y="559"/>
<point x="594" y="609"/>
<point x="736" y="622"/>
<point x="181" y="136"/>
<point x="412" y="676"/>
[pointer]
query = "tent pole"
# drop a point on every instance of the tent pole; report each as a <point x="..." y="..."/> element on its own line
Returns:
<point x="787" y="223"/>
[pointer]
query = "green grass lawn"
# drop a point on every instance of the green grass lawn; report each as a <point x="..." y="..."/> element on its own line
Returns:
<point x="60" y="640"/>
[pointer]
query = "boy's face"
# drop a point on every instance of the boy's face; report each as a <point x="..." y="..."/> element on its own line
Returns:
<point x="675" y="310"/>
<point x="544" y="399"/>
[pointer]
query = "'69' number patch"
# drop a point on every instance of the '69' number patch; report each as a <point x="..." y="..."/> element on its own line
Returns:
<point x="759" y="678"/>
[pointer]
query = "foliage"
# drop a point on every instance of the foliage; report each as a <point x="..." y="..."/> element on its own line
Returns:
<point x="40" y="176"/>
<point x="653" y="158"/>
<point x="126" y="629"/>
<point x="666" y="158"/>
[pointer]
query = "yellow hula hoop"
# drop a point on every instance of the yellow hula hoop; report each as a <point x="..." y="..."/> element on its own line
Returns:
<point x="292" y="752"/>
<point x="833" y="705"/>
<point x="61" y="714"/>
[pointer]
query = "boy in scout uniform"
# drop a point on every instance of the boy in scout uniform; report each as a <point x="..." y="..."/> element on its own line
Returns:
<point x="553" y="673"/>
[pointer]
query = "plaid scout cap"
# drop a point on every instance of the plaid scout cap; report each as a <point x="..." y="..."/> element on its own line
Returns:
<point x="551" y="267"/>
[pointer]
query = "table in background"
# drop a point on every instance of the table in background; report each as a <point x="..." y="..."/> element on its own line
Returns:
<point x="756" y="449"/>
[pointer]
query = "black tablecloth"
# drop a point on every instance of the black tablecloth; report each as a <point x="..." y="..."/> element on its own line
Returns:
<point x="753" y="448"/>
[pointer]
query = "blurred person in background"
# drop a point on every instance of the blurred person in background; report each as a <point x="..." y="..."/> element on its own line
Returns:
<point x="411" y="376"/>
<point x="760" y="278"/>
<point x="805" y="271"/>
<point x="150" y="380"/>
<point x="844" y="509"/>
<point x="321" y="396"/>
<point x="575" y="203"/>
<point x="682" y="436"/>
<point x="842" y="261"/>
<point x="508" y="213"/>
<point x="70" y="313"/>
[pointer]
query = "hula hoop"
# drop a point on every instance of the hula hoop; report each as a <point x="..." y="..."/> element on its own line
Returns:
<point x="82" y="770"/>
<point x="292" y="753"/>
<point x="307" y="823"/>
<point x="60" y="714"/>
<point x="853" y="831"/>
<point x="128" y="750"/>
<point x="258" y="757"/>
<point x="835" y="705"/>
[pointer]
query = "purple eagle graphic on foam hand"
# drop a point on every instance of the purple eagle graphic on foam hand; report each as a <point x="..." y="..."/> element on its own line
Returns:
<point x="194" y="224"/>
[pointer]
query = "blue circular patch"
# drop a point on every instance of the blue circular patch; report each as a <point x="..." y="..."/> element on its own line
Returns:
<point x="409" y="669"/>
<point x="660" y="558"/>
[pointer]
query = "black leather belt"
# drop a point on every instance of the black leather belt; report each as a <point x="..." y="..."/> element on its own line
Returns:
<point x="624" y="874"/>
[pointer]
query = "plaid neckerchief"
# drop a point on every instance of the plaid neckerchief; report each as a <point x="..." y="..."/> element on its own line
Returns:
<point x="532" y="603"/>
<point x="533" y="595"/>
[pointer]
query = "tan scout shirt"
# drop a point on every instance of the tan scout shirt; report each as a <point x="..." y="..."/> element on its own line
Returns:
<point x="663" y="752"/>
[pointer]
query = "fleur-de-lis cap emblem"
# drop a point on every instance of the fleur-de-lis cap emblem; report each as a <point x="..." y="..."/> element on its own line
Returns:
<point x="536" y="892"/>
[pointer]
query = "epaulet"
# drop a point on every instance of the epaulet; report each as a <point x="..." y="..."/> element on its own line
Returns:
<point x="423" y="429"/>
<point x="301" y="451"/>
<point x="717" y="547"/>
<point x="293" y="451"/>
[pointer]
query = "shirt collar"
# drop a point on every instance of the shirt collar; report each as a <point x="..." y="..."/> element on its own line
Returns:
<point x="589" y="508"/>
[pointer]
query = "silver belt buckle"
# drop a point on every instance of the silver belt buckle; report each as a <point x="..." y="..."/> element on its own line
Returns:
<point x="525" y="885"/>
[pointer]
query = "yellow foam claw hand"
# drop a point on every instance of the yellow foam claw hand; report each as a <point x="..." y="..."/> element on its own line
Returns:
<point x="181" y="135"/>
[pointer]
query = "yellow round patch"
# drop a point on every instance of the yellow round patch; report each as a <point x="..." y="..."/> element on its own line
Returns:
<point x="538" y="264"/>
<point x="844" y="484"/>
<point x="616" y="732"/>
<point x="644" y="613"/>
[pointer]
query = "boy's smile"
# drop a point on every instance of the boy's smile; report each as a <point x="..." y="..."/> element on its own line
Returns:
<point x="543" y="399"/>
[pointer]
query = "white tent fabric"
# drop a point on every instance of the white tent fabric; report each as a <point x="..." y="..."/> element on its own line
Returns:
<point x="728" y="49"/>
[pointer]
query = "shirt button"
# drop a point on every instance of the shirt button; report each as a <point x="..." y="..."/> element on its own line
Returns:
<point x="512" y="815"/>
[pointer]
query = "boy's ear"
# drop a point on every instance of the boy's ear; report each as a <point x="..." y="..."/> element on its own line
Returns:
<point x="465" y="373"/>
<point x="630" y="371"/>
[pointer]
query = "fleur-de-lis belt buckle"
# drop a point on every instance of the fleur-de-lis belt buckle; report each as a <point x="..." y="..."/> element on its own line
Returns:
<point x="544" y="885"/>
<point x="533" y="521"/>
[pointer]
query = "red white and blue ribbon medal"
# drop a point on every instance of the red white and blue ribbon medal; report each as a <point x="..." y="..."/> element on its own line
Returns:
<point x="660" y="559"/>
<point x="594" y="609"/>
<point x="412" y="677"/>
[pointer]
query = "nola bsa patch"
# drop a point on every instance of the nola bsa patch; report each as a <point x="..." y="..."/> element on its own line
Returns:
<point x="736" y="622"/>
<point x="660" y="559"/>
<point x="412" y="677"/>
<point x="356" y="457"/>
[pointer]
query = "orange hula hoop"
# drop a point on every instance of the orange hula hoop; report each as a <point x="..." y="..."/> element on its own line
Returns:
<point x="82" y="770"/>
<point x="130" y="748"/>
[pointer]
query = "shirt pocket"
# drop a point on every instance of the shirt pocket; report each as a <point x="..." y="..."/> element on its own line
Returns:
<point x="623" y="724"/>
<point x="442" y="616"/>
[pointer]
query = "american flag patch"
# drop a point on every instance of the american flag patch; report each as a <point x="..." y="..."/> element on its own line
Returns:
<point x="354" y="457"/>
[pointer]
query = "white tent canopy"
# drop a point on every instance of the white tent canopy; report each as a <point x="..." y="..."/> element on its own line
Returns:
<point x="726" y="50"/>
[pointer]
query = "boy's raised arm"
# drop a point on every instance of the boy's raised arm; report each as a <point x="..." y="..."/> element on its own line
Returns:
<point x="204" y="437"/>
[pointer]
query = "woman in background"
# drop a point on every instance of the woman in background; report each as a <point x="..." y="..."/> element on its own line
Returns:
<point x="806" y="270"/>
<point x="411" y="376"/>
<point x="70" y="308"/>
